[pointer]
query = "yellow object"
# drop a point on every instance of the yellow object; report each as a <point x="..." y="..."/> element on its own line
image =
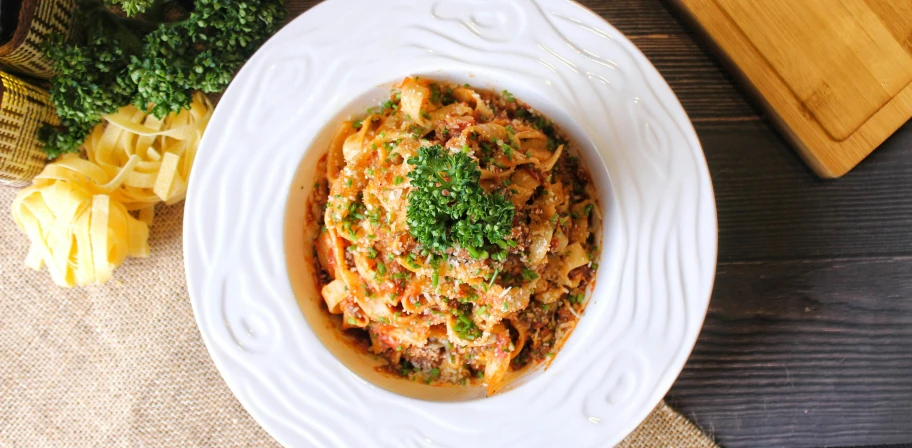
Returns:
<point x="77" y="211"/>
<point x="153" y="156"/>
<point x="24" y="109"/>
<point x="75" y="228"/>
<point x="38" y="21"/>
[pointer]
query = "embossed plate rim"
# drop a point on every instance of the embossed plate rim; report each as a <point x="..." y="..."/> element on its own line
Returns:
<point x="578" y="63"/>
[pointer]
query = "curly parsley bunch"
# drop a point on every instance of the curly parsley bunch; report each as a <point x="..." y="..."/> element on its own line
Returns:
<point x="447" y="206"/>
<point x="150" y="53"/>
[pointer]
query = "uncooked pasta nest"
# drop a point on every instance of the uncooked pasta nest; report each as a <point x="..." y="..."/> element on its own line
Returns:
<point x="84" y="216"/>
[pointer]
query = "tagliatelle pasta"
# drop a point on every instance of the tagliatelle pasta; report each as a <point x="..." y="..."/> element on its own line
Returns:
<point x="154" y="156"/>
<point x="458" y="234"/>
<point x="77" y="230"/>
<point x="78" y="213"/>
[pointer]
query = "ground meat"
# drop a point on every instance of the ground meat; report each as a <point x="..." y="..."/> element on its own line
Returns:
<point x="425" y="358"/>
<point x="565" y="315"/>
<point x="520" y="233"/>
<point x="542" y="344"/>
<point x="583" y="273"/>
<point x="536" y="315"/>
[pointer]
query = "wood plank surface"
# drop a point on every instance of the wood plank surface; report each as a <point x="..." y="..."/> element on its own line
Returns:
<point x="808" y="339"/>
<point x="804" y="353"/>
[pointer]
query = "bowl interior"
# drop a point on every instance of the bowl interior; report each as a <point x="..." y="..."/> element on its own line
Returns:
<point x="299" y="241"/>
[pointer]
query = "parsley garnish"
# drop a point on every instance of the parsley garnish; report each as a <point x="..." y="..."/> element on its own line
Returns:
<point x="464" y="327"/>
<point x="448" y="206"/>
<point x="493" y="277"/>
<point x="435" y="372"/>
<point x="544" y="125"/>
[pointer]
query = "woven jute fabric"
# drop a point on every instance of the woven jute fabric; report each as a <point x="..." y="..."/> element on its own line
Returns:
<point x="123" y="364"/>
<point x="665" y="428"/>
<point x="24" y="109"/>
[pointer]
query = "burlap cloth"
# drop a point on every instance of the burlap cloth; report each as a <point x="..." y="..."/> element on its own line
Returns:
<point x="123" y="364"/>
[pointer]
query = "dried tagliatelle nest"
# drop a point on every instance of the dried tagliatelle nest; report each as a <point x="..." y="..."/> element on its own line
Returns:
<point x="84" y="216"/>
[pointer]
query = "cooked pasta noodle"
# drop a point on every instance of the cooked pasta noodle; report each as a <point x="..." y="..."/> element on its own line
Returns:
<point x="497" y="280"/>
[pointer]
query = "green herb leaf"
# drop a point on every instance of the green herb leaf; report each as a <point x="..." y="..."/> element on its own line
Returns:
<point x="447" y="206"/>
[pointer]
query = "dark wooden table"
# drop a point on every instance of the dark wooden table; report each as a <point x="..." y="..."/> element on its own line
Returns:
<point x="808" y="340"/>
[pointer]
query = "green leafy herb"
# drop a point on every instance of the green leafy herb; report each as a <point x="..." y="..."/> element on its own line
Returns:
<point x="542" y="124"/>
<point x="493" y="277"/>
<point x="155" y="61"/>
<point x="448" y="206"/>
<point x="434" y="374"/>
<point x="465" y="327"/>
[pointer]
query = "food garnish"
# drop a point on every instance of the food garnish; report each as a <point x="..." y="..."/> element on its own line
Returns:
<point x="152" y="54"/>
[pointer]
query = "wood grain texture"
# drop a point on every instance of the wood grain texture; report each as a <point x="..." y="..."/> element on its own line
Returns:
<point x="804" y="353"/>
<point x="836" y="56"/>
<point x="812" y="307"/>
<point x="770" y="207"/>
<point x="835" y="108"/>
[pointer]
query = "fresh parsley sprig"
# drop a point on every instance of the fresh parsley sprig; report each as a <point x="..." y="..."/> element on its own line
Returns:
<point x="448" y="207"/>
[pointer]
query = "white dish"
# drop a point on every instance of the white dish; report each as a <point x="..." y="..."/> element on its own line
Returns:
<point x="274" y="122"/>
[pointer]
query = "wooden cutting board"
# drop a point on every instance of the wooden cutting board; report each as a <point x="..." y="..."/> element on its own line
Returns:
<point x="835" y="75"/>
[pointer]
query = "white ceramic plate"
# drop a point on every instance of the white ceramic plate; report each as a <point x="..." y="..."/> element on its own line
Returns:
<point x="253" y="172"/>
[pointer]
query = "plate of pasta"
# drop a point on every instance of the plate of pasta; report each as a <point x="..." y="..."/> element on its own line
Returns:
<point x="493" y="226"/>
